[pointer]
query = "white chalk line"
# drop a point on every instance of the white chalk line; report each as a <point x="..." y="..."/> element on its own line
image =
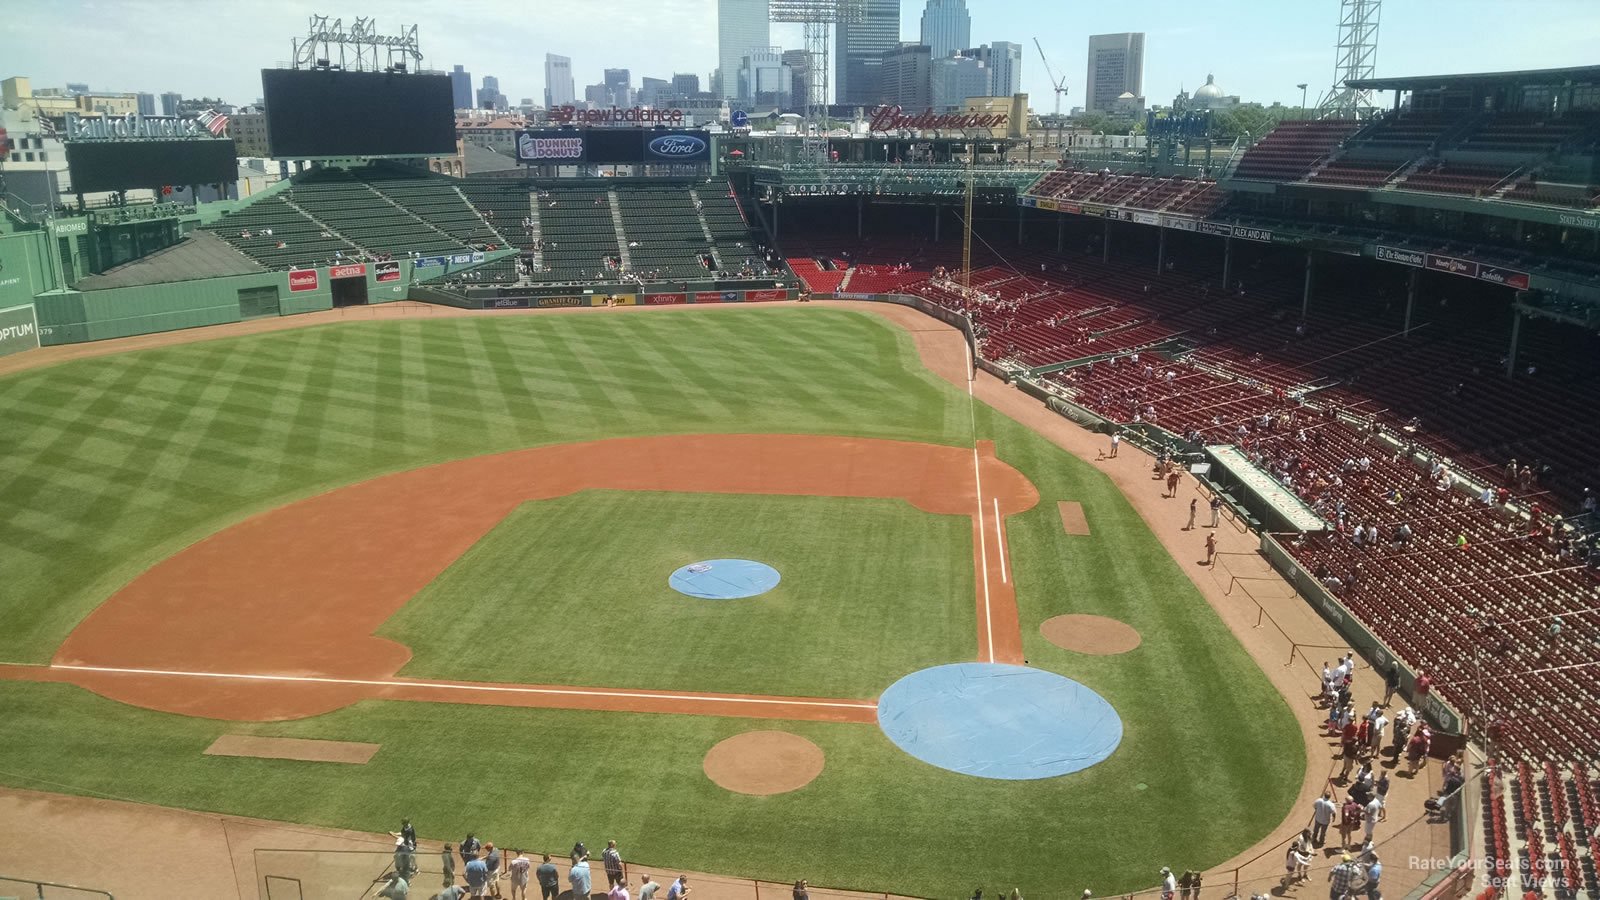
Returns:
<point x="493" y="688"/>
<point x="1000" y="537"/>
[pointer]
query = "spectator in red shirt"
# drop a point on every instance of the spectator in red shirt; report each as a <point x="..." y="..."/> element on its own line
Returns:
<point x="1417" y="747"/>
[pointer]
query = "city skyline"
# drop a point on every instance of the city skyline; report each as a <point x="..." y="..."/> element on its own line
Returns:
<point x="1257" y="50"/>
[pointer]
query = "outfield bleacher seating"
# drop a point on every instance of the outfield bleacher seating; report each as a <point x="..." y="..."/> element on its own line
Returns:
<point x="258" y="229"/>
<point x="665" y="238"/>
<point x="360" y="213"/>
<point x="580" y="237"/>
<point x="1289" y="151"/>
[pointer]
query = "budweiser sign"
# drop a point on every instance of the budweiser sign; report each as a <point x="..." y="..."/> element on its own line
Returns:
<point x="894" y="118"/>
<point x="639" y="115"/>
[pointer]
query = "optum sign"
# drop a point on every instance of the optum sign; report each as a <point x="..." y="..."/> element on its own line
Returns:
<point x="19" y="330"/>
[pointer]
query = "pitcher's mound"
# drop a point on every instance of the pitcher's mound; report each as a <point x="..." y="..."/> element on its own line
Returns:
<point x="1090" y="634"/>
<point x="763" y="763"/>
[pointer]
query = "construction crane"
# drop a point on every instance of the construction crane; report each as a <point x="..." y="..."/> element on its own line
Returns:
<point x="1060" y="85"/>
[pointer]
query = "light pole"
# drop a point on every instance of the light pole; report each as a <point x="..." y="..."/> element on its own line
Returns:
<point x="1302" y="88"/>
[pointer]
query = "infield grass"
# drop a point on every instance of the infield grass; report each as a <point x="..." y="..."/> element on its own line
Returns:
<point x="129" y="457"/>
<point x="871" y="590"/>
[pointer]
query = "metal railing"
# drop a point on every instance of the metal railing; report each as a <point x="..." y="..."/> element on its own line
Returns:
<point x="22" y="888"/>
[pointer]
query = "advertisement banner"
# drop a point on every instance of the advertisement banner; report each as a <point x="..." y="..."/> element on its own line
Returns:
<point x="1147" y="218"/>
<point x="67" y="227"/>
<point x="717" y="297"/>
<point x="1511" y="278"/>
<point x="613" y="299"/>
<point x="508" y="303"/>
<point x="1069" y="208"/>
<point x="1216" y="228"/>
<point x="1452" y="264"/>
<point x="388" y="270"/>
<point x="429" y="262"/>
<point x="356" y="270"/>
<point x="1047" y="204"/>
<point x="1579" y="220"/>
<point x="764" y="296"/>
<point x="1178" y="222"/>
<point x="461" y="259"/>
<point x="1090" y="209"/>
<point x="558" y="302"/>
<point x="677" y="146"/>
<point x="1027" y="200"/>
<point x="19" y="330"/>
<point x="1252" y="234"/>
<point x="1401" y="256"/>
<point x="550" y="146"/>
<point x="665" y="299"/>
<point x="303" y="280"/>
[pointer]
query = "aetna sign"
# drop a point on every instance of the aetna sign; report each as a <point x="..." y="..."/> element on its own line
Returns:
<point x="571" y="115"/>
<point x="894" y="118"/>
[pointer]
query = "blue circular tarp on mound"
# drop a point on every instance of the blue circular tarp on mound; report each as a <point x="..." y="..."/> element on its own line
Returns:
<point x="724" y="579"/>
<point x="999" y="721"/>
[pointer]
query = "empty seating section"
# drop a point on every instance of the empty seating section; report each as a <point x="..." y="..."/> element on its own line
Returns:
<point x="1574" y="195"/>
<point x="1522" y="133"/>
<point x="1454" y="178"/>
<point x="1354" y="173"/>
<point x="665" y="240"/>
<point x="1411" y="132"/>
<point x="580" y="238"/>
<point x="1290" y="150"/>
<point x="823" y="276"/>
<point x="439" y="202"/>
<point x="355" y="210"/>
<point x="1191" y="196"/>
<point x="722" y="215"/>
<point x="1539" y="825"/>
<point x="257" y="231"/>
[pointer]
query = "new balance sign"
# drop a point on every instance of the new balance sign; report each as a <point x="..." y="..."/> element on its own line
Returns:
<point x="303" y="280"/>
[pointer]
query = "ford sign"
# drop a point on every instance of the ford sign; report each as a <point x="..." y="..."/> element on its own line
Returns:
<point x="678" y="146"/>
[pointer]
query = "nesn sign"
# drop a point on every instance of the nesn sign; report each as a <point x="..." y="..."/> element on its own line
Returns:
<point x="677" y="145"/>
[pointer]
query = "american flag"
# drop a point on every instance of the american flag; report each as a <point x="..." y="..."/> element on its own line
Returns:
<point x="215" y="122"/>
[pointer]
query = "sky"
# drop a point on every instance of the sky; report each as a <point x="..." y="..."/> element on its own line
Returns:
<point x="1258" y="49"/>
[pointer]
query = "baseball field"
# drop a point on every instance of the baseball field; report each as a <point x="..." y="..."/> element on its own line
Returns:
<point x="452" y="538"/>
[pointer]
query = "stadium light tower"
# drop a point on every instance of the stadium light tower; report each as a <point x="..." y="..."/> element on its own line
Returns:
<point x="815" y="16"/>
<point x="1356" y="58"/>
<point x="326" y="43"/>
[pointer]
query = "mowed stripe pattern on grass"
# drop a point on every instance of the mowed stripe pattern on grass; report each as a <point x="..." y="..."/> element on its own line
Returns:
<point x="114" y="463"/>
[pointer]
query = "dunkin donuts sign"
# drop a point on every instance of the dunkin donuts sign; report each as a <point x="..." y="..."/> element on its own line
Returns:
<point x="303" y="280"/>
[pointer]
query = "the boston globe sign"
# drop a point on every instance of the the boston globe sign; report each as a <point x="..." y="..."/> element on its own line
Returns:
<point x="613" y="146"/>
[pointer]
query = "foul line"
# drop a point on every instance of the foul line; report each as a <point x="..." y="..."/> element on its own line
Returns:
<point x="977" y="483"/>
<point x="497" y="688"/>
<point x="1000" y="539"/>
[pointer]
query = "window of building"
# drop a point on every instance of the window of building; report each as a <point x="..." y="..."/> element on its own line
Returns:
<point x="44" y="157"/>
<point x="27" y="157"/>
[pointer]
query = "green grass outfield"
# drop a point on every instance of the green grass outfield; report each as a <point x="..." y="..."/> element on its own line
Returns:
<point x="871" y="589"/>
<point x="115" y="463"/>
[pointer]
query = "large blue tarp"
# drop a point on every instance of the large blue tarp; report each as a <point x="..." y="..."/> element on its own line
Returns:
<point x="999" y="721"/>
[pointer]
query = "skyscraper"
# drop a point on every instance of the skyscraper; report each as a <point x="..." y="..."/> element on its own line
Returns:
<point x="685" y="84"/>
<point x="489" y="96"/>
<point x="858" y="52"/>
<point x="907" y="77"/>
<point x="946" y="27"/>
<point x="652" y="89"/>
<point x="558" y="87"/>
<point x="956" y="78"/>
<point x="461" y="88"/>
<point x="618" y="91"/>
<point x="147" y="104"/>
<point x="1004" y="62"/>
<point x="1116" y="66"/>
<point x="742" y="26"/>
<point x="170" y="102"/>
<point x="799" y="63"/>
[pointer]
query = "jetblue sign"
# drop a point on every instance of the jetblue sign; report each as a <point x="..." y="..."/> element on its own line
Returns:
<point x="677" y="146"/>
